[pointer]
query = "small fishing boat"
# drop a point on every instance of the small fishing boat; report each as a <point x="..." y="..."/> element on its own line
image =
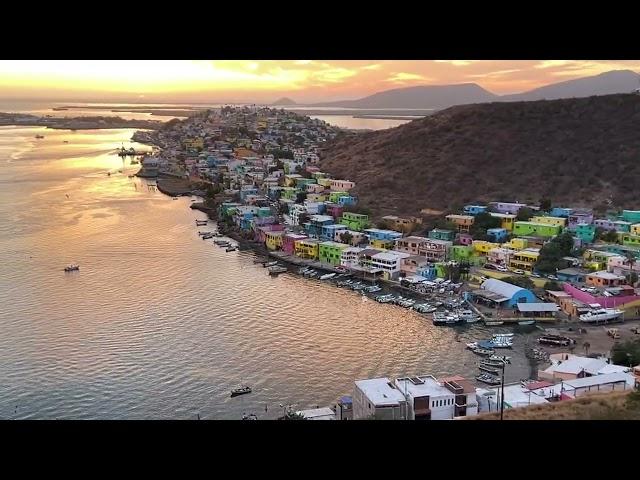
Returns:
<point x="488" y="379"/>
<point x="240" y="391"/>
<point x="39" y="137"/>
<point x="483" y="351"/>
<point x="500" y="358"/>
<point x="493" y="363"/>
<point x="493" y="323"/>
<point x="231" y="248"/>
<point x="488" y="369"/>
<point x="554" y="340"/>
<point x="527" y="322"/>
<point x="260" y="260"/>
<point x="276" y="270"/>
<point x="66" y="141"/>
<point x="270" y="264"/>
<point x="327" y="276"/>
<point x="72" y="268"/>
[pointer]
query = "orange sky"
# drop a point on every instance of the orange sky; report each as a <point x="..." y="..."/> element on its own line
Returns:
<point x="267" y="80"/>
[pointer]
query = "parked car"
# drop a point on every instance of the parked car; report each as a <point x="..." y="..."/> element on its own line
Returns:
<point x="517" y="271"/>
<point x="552" y="277"/>
<point x="502" y="268"/>
<point x="535" y="275"/>
<point x="490" y="266"/>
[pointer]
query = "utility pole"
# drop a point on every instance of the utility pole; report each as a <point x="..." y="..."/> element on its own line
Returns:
<point x="502" y="394"/>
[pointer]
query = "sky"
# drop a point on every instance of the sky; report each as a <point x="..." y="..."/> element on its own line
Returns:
<point x="264" y="81"/>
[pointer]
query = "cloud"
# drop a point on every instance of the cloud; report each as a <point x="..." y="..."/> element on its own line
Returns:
<point x="497" y="73"/>
<point x="404" y="76"/>
<point x="375" y="66"/>
<point x="303" y="62"/>
<point x="332" y="75"/>
<point x="552" y="64"/>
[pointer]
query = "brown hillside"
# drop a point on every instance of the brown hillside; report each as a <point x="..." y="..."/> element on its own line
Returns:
<point x="578" y="152"/>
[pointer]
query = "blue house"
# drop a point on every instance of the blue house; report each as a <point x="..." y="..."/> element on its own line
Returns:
<point x="442" y="234"/>
<point x="313" y="228"/>
<point x="427" y="271"/>
<point x="506" y="294"/>
<point x="574" y="275"/>
<point x="474" y="209"/>
<point x="498" y="235"/>
<point x="560" y="212"/>
<point x="328" y="232"/>
<point x="246" y="191"/>
<point x="379" y="234"/>
<point x="347" y="200"/>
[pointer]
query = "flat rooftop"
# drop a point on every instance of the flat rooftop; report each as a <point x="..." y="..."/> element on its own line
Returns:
<point x="380" y="391"/>
<point x="422" y="386"/>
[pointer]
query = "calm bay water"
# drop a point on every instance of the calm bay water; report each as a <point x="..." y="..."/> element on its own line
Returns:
<point x="159" y="324"/>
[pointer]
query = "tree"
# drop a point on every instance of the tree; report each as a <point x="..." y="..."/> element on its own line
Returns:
<point x="481" y="223"/>
<point x="346" y="237"/>
<point x="626" y="353"/>
<point x="630" y="259"/>
<point x="523" y="282"/>
<point x="550" y="259"/>
<point x="301" y="197"/>
<point x="545" y="204"/>
<point x="524" y="214"/>
<point x="606" y="235"/>
<point x="552" y="285"/>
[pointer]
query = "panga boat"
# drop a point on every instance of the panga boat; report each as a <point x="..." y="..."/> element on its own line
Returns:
<point x="527" y="322"/>
<point x="39" y="137"/>
<point x="482" y="351"/>
<point x="240" y="391"/>
<point x="500" y="358"/>
<point x="488" y="379"/>
<point x="488" y="368"/>
<point x="327" y="276"/>
<point x="276" y="270"/>
<point x="231" y="248"/>
<point x="270" y="264"/>
<point x="493" y="323"/>
<point x="493" y="363"/>
<point x="72" y="268"/>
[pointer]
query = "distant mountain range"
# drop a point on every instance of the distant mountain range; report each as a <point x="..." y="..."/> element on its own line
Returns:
<point x="443" y="96"/>
<point x="284" y="102"/>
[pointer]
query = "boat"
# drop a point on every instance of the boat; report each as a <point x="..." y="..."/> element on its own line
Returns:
<point x="231" y="248"/>
<point x="270" y="264"/>
<point x="39" y="137"/>
<point x="276" y="270"/>
<point x="502" y="335"/>
<point x="488" y="379"/>
<point x="221" y="243"/>
<point x="554" y="340"/>
<point x="445" y="319"/>
<point x="424" y="308"/>
<point x="601" y="315"/>
<point x="489" y="369"/>
<point x="240" y="391"/>
<point x="493" y="363"/>
<point x="201" y="223"/>
<point x="260" y="260"/>
<point x="483" y="351"/>
<point x="207" y="236"/>
<point x="384" y="298"/>
<point x="468" y="316"/>
<point x="327" y="276"/>
<point x="72" y="268"/>
<point x="493" y="323"/>
<point x="373" y="289"/>
<point x="66" y="141"/>
<point x="526" y="322"/>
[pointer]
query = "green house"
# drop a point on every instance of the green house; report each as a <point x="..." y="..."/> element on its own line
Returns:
<point x="630" y="240"/>
<point x="335" y="196"/>
<point x="534" y="229"/>
<point x="632" y="216"/>
<point x="354" y="221"/>
<point x="461" y="252"/>
<point x="586" y="232"/>
<point x="329" y="252"/>
<point x="441" y="234"/>
<point x="289" y="193"/>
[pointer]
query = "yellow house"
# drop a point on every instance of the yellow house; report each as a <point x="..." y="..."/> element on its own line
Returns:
<point x="517" y="244"/>
<point x="507" y="220"/>
<point x="383" y="244"/>
<point x="325" y="182"/>
<point x="316" y="197"/>
<point x="635" y="229"/>
<point x="196" y="143"/>
<point x="273" y="240"/>
<point x="480" y="246"/>
<point x="463" y="222"/>
<point x="524" y="259"/>
<point x="556" y="221"/>
<point x="306" y="248"/>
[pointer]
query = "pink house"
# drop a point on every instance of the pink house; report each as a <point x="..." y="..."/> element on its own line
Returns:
<point x="260" y="232"/>
<point x="465" y="239"/>
<point x="288" y="242"/>
<point x="334" y="210"/>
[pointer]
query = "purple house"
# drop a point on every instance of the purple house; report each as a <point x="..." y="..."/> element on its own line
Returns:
<point x="507" y="207"/>
<point x="578" y="217"/>
<point x="464" y="239"/>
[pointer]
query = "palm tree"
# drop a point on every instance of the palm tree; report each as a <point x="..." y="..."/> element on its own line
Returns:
<point x="631" y="260"/>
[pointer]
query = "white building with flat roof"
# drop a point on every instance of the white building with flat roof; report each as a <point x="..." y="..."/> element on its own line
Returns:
<point x="427" y="399"/>
<point x="325" y="413"/>
<point x="379" y="399"/>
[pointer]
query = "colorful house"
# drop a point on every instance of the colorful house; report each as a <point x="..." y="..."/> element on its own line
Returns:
<point x="548" y="220"/>
<point x="355" y="221"/>
<point x="330" y="252"/>
<point x="596" y="259"/>
<point x="290" y="193"/>
<point x="411" y="264"/>
<point x="325" y="182"/>
<point x="507" y="294"/>
<point x="500" y="255"/>
<point x="442" y="234"/>
<point x="506" y="220"/>
<point x="314" y="188"/>
<point x="344" y="185"/>
<point x="460" y="253"/>
<point x="631" y="216"/>
<point x="578" y="217"/>
<point x="335" y="196"/>
<point x="349" y="257"/>
<point x="380" y="234"/>
<point x="630" y="240"/>
<point x="291" y="179"/>
<point x="334" y="210"/>
<point x="289" y="240"/>
<point x="330" y="232"/>
<point x="403" y="223"/>
<point x="307" y="248"/>
<point x="482" y="247"/>
<point x="463" y="222"/>
<point x="516" y="244"/>
<point x="356" y="237"/>
<point x="410" y="245"/>
<point x="428" y="271"/>
<point x="313" y="227"/>
<point x="510" y="208"/>
<point x="585" y="232"/>
<point x="273" y="240"/>
<point x="474" y="209"/>
<point x="498" y="235"/>
<point x="635" y="229"/>
<point x="535" y="229"/>
<point x="464" y="239"/>
<point x="524" y="259"/>
<point x="604" y="279"/>
<point x="347" y="200"/>
<point x="560" y="212"/>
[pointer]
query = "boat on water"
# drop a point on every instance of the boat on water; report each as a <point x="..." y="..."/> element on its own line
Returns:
<point x="327" y="276"/>
<point x="270" y="264"/>
<point x="601" y="315"/>
<point x="231" y="248"/>
<point x="527" y="322"/>
<point x="493" y="323"/>
<point x="489" y="369"/>
<point x="72" y="268"/>
<point x="488" y="379"/>
<point x="276" y="270"/>
<point x="66" y="141"/>
<point x="39" y="137"/>
<point x="240" y="391"/>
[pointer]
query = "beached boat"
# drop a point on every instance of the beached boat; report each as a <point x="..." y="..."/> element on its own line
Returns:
<point x="72" y="268"/>
<point x="39" y="137"/>
<point x="493" y="323"/>
<point x="489" y="369"/>
<point x="270" y="264"/>
<point x="327" y="276"/>
<point x="276" y="270"/>
<point x="493" y="363"/>
<point x="231" y="248"/>
<point x="554" y="340"/>
<point x="500" y="358"/>
<point x="601" y="315"/>
<point x="384" y="298"/>
<point x="373" y="289"/>
<point x="483" y="351"/>
<point x="527" y="322"/>
<point x="240" y="391"/>
<point x="488" y="379"/>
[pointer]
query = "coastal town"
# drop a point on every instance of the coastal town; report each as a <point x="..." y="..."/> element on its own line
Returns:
<point x="569" y="271"/>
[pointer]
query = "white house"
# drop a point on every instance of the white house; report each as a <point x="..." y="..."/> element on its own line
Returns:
<point x="378" y="398"/>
